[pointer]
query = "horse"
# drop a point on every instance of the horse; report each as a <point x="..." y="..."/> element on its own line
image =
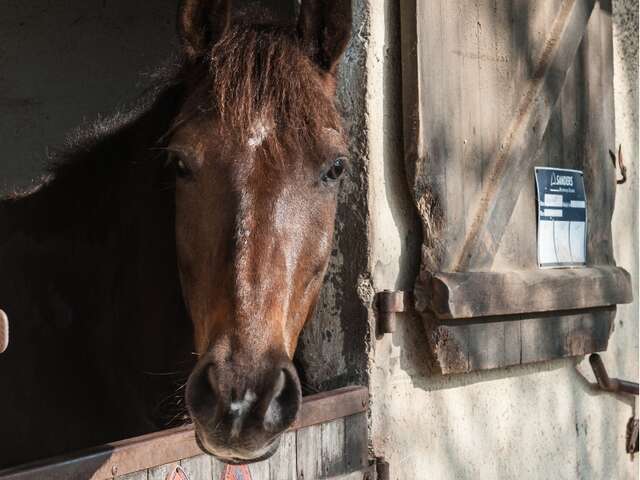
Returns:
<point x="184" y="237"/>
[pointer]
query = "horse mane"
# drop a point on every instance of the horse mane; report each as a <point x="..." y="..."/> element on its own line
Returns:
<point x="260" y="73"/>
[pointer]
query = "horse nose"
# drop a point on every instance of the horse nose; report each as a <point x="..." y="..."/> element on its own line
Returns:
<point x="245" y="409"/>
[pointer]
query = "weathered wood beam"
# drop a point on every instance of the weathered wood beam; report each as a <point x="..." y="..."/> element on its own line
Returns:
<point x="469" y="295"/>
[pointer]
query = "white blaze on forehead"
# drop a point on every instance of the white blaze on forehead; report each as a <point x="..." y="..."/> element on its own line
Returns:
<point x="259" y="133"/>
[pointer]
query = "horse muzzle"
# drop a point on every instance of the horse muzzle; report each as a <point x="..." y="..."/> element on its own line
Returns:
<point x="240" y="413"/>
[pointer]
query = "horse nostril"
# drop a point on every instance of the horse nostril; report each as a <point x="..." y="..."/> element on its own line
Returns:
<point x="285" y="402"/>
<point x="201" y="391"/>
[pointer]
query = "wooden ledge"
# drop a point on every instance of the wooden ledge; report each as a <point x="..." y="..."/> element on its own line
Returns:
<point x="468" y="295"/>
<point x="148" y="451"/>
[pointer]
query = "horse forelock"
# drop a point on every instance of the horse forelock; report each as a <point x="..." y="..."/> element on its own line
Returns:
<point x="258" y="76"/>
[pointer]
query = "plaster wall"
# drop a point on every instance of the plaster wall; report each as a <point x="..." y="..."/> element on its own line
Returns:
<point x="530" y="422"/>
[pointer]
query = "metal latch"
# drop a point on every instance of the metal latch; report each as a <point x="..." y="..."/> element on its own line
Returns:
<point x="615" y="385"/>
<point x="389" y="303"/>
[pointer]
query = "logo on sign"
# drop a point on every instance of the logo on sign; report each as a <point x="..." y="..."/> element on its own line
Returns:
<point x="561" y="180"/>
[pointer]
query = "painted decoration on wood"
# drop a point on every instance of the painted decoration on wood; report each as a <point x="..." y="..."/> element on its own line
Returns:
<point x="178" y="473"/>
<point x="236" y="472"/>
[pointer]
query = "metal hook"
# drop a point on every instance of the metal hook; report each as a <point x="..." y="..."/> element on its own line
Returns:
<point x="610" y="384"/>
<point x="4" y="331"/>
<point x="619" y="161"/>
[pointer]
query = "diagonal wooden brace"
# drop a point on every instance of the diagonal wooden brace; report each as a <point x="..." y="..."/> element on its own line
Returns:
<point x="514" y="161"/>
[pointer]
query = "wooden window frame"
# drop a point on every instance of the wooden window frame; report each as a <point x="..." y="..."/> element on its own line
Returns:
<point x="479" y="312"/>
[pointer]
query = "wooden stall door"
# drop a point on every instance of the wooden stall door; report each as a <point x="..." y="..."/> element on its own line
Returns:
<point x="493" y="88"/>
<point x="329" y="440"/>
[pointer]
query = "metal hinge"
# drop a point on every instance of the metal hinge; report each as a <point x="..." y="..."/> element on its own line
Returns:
<point x="383" y="471"/>
<point x="389" y="303"/>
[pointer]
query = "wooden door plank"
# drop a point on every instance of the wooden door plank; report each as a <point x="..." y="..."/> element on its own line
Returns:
<point x="161" y="472"/>
<point x="356" y="451"/>
<point x="198" y="467"/>
<point x="570" y="336"/>
<point x="260" y="471"/>
<point x="332" y="448"/>
<point x="309" y="452"/>
<point x="282" y="465"/>
<point x="133" y="476"/>
<point x="217" y="469"/>
<point x="509" y="170"/>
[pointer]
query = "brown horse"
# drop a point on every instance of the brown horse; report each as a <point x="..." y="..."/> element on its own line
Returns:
<point x="200" y="221"/>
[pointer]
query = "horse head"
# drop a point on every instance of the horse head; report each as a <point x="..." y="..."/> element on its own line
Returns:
<point x="258" y="150"/>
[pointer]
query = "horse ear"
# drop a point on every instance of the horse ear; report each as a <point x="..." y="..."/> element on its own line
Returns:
<point x="201" y="23"/>
<point x="324" y="28"/>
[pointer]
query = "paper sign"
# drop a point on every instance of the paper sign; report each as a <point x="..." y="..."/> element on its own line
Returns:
<point x="562" y="217"/>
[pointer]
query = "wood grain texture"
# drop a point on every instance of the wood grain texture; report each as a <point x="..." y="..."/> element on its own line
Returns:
<point x="356" y="449"/>
<point x="493" y="88"/>
<point x="198" y="467"/>
<point x="161" y="472"/>
<point x="332" y="448"/>
<point x="217" y="469"/>
<point x="282" y="465"/>
<point x="132" y="476"/>
<point x="468" y="295"/>
<point x="309" y="452"/>
<point x="163" y="448"/>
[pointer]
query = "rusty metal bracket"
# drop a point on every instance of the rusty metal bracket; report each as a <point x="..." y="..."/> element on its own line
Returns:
<point x="383" y="470"/>
<point x="389" y="303"/>
<point x="615" y="385"/>
<point x="608" y="384"/>
<point x="619" y="161"/>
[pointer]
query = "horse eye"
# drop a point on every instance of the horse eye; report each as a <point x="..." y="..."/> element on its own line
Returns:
<point x="180" y="166"/>
<point x="336" y="170"/>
